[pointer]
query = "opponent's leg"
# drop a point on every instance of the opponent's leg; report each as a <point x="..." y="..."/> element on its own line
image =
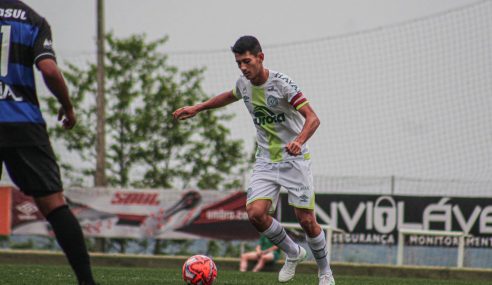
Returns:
<point x="35" y="171"/>
<point x="68" y="234"/>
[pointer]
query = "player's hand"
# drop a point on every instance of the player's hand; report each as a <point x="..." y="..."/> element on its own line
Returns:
<point x="185" y="113"/>
<point x="67" y="117"/>
<point x="259" y="253"/>
<point x="293" y="148"/>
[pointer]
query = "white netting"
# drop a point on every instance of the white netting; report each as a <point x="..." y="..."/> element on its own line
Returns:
<point x="410" y="100"/>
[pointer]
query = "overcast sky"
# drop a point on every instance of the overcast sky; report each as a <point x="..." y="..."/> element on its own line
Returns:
<point x="216" y="24"/>
<point x="409" y="101"/>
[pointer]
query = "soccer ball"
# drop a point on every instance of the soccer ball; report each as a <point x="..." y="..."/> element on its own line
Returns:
<point x="199" y="270"/>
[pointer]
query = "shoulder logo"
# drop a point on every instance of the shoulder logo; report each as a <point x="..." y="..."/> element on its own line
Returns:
<point x="48" y="44"/>
<point x="272" y="101"/>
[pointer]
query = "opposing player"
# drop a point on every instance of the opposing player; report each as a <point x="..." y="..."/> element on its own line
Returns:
<point x="24" y="144"/>
<point x="284" y="121"/>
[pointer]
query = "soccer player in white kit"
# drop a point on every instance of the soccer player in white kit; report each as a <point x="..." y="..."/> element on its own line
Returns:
<point x="284" y="121"/>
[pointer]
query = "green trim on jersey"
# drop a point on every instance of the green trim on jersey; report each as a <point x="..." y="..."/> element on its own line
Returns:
<point x="274" y="141"/>
<point x="301" y="105"/>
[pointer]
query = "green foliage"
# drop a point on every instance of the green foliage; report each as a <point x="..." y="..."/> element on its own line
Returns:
<point x="29" y="244"/>
<point x="232" y="250"/>
<point x="145" y="146"/>
<point x="213" y="248"/>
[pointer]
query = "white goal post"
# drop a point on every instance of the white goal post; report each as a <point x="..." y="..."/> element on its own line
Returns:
<point x="403" y="232"/>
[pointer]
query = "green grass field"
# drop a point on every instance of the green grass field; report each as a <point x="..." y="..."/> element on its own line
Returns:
<point x="62" y="275"/>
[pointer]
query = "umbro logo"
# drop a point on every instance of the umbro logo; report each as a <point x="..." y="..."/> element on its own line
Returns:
<point x="48" y="44"/>
<point x="304" y="198"/>
<point x="27" y="211"/>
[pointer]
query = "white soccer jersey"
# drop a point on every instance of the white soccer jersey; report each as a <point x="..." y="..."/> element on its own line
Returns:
<point x="273" y="107"/>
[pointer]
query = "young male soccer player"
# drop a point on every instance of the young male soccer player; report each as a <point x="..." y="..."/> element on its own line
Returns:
<point x="25" y="148"/>
<point x="284" y="121"/>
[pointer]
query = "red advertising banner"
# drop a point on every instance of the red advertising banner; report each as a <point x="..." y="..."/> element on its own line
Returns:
<point x="5" y="210"/>
<point x="162" y="214"/>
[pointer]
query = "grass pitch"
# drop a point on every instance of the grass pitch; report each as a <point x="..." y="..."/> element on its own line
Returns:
<point x="62" y="275"/>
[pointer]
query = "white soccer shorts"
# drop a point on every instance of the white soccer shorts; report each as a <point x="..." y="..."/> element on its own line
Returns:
<point x="295" y="176"/>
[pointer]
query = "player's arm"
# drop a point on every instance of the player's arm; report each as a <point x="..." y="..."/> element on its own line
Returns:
<point x="218" y="101"/>
<point x="311" y="123"/>
<point x="56" y="84"/>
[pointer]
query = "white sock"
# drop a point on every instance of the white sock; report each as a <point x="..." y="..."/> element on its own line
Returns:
<point x="277" y="235"/>
<point x="318" y="248"/>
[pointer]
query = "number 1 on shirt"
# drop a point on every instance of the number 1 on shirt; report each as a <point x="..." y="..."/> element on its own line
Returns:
<point x="4" y="60"/>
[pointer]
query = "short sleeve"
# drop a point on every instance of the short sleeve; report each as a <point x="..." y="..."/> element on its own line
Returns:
<point x="236" y="91"/>
<point x="43" y="43"/>
<point x="293" y="93"/>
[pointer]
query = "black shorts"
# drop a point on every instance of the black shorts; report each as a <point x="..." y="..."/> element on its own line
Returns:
<point x="32" y="168"/>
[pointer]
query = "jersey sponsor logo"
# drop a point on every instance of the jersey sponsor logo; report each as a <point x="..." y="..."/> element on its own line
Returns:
<point x="7" y="93"/>
<point x="264" y="116"/>
<point x="287" y="80"/>
<point x="272" y="101"/>
<point x="13" y="13"/>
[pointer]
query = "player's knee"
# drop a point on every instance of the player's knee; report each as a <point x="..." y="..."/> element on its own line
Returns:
<point x="257" y="217"/>
<point x="49" y="203"/>
<point x="307" y="222"/>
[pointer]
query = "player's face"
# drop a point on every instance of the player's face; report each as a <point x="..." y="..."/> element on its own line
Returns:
<point x="250" y="65"/>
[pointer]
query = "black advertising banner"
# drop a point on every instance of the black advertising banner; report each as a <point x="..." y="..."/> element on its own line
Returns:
<point x="376" y="219"/>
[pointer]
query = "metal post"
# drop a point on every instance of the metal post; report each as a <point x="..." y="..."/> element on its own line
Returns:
<point x="399" y="254"/>
<point x="241" y="248"/>
<point x="100" y="178"/>
<point x="461" y="251"/>
<point x="329" y="239"/>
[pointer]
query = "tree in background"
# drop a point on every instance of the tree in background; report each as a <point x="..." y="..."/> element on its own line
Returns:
<point x="146" y="147"/>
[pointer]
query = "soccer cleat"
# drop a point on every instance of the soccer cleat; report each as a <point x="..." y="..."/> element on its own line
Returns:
<point x="289" y="269"/>
<point x="326" y="279"/>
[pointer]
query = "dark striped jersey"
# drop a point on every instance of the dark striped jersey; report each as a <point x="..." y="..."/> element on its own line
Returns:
<point x="25" y="39"/>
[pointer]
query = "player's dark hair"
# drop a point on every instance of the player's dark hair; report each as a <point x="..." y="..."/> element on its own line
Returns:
<point x="245" y="44"/>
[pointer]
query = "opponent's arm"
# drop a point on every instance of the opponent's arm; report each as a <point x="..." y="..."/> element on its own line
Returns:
<point x="310" y="125"/>
<point x="56" y="84"/>
<point x="218" y="101"/>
